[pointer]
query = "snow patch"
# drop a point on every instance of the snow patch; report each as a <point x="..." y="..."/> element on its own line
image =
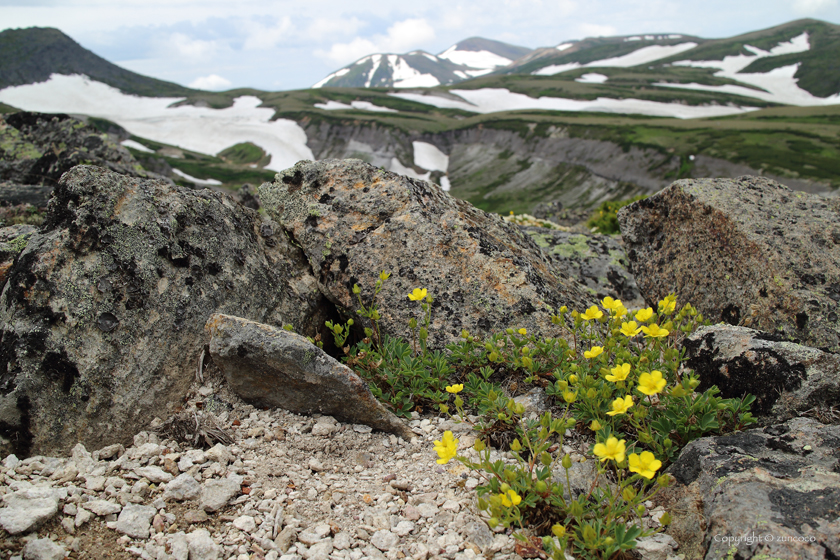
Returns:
<point x="474" y="59"/>
<point x="592" y="78"/>
<point x="430" y="157"/>
<point x="137" y="146"/>
<point x="491" y="100"/>
<point x="779" y="85"/>
<point x="377" y="60"/>
<point x="180" y="173"/>
<point x="336" y="74"/>
<point x="199" y="129"/>
<point x="556" y="69"/>
<point x="445" y="184"/>
<point x="564" y="46"/>
<point x="643" y="55"/>
<point x="360" y="105"/>
<point x="398" y="167"/>
<point x="405" y="76"/>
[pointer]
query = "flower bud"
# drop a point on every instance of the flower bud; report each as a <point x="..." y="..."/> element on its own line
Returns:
<point x="464" y="334"/>
<point x="424" y="334"/>
<point x="573" y="379"/>
<point x="368" y="332"/>
<point x="541" y="487"/>
<point x="356" y="289"/>
<point x="558" y="530"/>
<point x="640" y="510"/>
<point x="479" y="445"/>
<point x="545" y="459"/>
<point x="628" y="494"/>
<point x="493" y="522"/>
<point x="663" y="480"/>
<point x="412" y="323"/>
<point x="591" y="394"/>
<point x="576" y="509"/>
<point x="459" y="402"/>
<point x="516" y="446"/>
<point x="444" y="409"/>
<point x="566" y="462"/>
<point x="665" y="519"/>
<point x="562" y="385"/>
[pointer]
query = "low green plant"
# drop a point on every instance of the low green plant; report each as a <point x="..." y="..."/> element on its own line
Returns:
<point x="616" y="375"/>
<point x="605" y="217"/>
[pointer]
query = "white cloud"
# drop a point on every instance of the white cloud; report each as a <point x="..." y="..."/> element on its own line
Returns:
<point x="213" y="82"/>
<point x="261" y="37"/>
<point x="596" y="30"/>
<point x="192" y="48"/>
<point x="322" y="28"/>
<point x="402" y="36"/>
<point x="813" y="6"/>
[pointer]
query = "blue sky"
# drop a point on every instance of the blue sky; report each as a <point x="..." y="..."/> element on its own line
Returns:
<point x="280" y="45"/>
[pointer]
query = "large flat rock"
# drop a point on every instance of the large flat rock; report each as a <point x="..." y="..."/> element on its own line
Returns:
<point x="764" y="493"/>
<point x="103" y="312"/>
<point x="353" y="220"/>
<point x="745" y="251"/>
<point x="267" y="366"/>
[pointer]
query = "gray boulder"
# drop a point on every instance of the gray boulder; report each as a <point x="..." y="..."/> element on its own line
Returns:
<point x="268" y="366"/>
<point x="353" y="220"/>
<point x="787" y="379"/>
<point x="596" y="261"/>
<point x="26" y="510"/>
<point x="745" y="251"/>
<point x="103" y="312"/>
<point x="216" y="493"/>
<point x="764" y="493"/>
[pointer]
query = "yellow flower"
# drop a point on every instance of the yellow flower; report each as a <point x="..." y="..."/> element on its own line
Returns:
<point x="523" y="332"/>
<point x="592" y="313"/>
<point x="418" y="294"/>
<point x="630" y="329"/>
<point x="455" y="388"/>
<point x="570" y="396"/>
<point x="558" y="530"/>
<point x="655" y="331"/>
<point x="510" y="498"/>
<point x="645" y="464"/>
<point x="621" y="311"/>
<point x="620" y="406"/>
<point x="644" y="314"/>
<point x="612" y="449"/>
<point x="619" y="373"/>
<point x="384" y="275"/>
<point x="668" y="304"/>
<point x="594" y="353"/>
<point x="651" y="383"/>
<point x="595" y="426"/>
<point x="446" y="448"/>
<point x="611" y="304"/>
<point x="573" y="379"/>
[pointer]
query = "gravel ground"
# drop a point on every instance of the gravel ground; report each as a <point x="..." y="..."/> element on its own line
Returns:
<point x="287" y="486"/>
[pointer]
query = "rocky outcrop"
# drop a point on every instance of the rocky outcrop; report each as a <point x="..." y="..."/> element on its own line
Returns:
<point x="596" y="261"/>
<point x="787" y="379"/>
<point x="354" y="221"/>
<point x="271" y="367"/>
<point x="13" y="240"/>
<point x="763" y="493"/>
<point x="744" y="251"/>
<point x="37" y="148"/>
<point x="103" y="312"/>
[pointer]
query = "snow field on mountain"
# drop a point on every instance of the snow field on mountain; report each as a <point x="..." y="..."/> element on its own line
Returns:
<point x="474" y="59"/>
<point x="405" y="76"/>
<point x="199" y="129"/>
<point x="491" y="100"/>
<point x="195" y="180"/>
<point x="360" y="105"/>
<point x="592" y="78"/>
<point x="430" y="157"/>
<point x="644" y="55"/>
<point x="779" y="85"/>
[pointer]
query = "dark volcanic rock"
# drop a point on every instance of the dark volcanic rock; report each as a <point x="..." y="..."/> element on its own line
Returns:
<point x="597" y="261"/>
<point x="786" y="378"/>
<point x="744" y="251"/>
<point x="103" y="313"/>
<point x="37" y="148"/>
<point x="268" y="366"/>
<point x="354" y="220"/>
<point x="764" y="493"/>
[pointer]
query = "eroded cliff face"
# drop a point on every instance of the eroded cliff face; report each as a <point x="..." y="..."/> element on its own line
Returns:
<point x="500" y="169"/>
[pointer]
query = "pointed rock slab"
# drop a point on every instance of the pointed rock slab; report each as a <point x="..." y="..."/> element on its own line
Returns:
<point x="745" y="251"/>
<point x="268" y="366"/>
<point x="354" y="220"/>
<point x="102" y="317"/>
